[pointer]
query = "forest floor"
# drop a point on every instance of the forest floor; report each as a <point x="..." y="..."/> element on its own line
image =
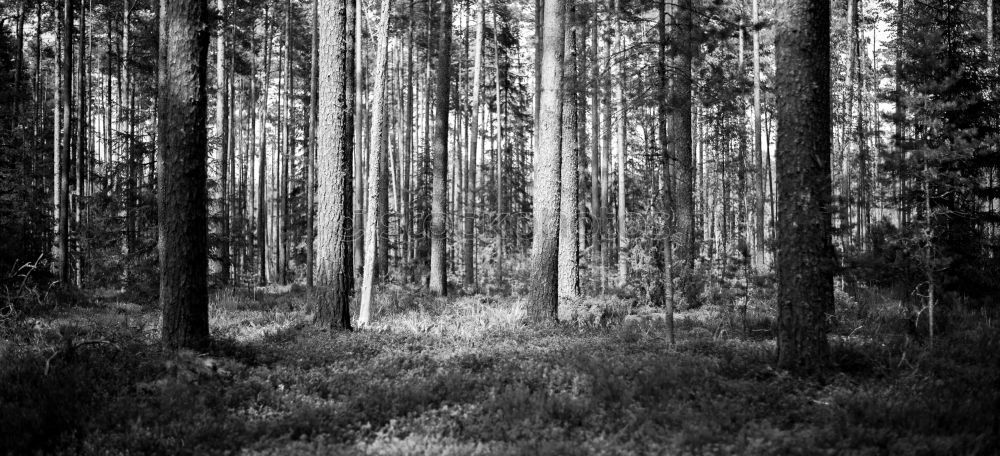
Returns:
<point x="465" y="376"/>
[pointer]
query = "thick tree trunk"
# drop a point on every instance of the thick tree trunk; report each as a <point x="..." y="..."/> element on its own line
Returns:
<point x="183" y="193"/>
<point x="543" y="295"/>
<point x="376" y="165"/>
<point x="334" y="164"/>
<point x="569" y="248"/>
<point x="805" y="260"/>
<point x="439" y="190"/>
<point x="470" y="189"/>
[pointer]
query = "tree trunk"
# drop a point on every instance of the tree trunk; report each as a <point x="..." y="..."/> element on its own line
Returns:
<point x="680" y="125"/>
<point x="470" y="193"/>
<point x="334" y="157"/>
<point x="760" y="251"/>
<point x="67" y="140"/>
<point x="183" y="194"/>
<point x="543" y="295"/>
<point x="569" y="248"/>
<point x="262" y="161"/>
<point x="222" y="129"/>
<point x="311" y="147"/>
<point x="662" y="111"/>
<point x="595" y="148"/>
<point x="438" y="273"/>
<point x="620" y="144"/>
<point x="805" y="260"/>
<point x="376" y="165"/>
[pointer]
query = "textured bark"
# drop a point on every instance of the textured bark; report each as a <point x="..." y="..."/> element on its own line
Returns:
<point x="311" y="148"/>
<point x="569" y="247"/>
<point x="470" y="191"/>
<point x="439" y="187"/>
<point x="543" y="295"/>
<point x="334" y="244"/>
<point x="222" y="130"/>
<point x="805" y="262"/>
<point x="183" y="193"/>
<point x="595" y="148"/>
<point x="376" y="165"/>
<point x="662" y="111"/>
<point x="760" y="251"/>
<point x="680" y="135"/>
<point x="60" y="160"/>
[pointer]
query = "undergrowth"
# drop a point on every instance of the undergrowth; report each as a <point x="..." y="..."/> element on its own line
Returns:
<point x="466" y="376"/>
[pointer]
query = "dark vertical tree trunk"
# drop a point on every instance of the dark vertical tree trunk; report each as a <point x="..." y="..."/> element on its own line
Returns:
<point x="439" y="190"/>
<point x="680" y="125"/>
<point x="470" y="189"/>
<point x="183" y="193"/>
<point x="334" y="163"/>
<point x="81" y="144"/>
<point x="662" y="111"/>
<point x="569" y="248"/>
<point x="804" y="260"/>
<point x="543" y="295"/>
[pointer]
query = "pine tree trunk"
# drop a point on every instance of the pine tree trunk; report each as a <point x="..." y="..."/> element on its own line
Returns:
<point x="67" y="140"/>
<point x="543" y="295"/>
<point x="470" y="190"/>
<point x="439" y="191"/>
<point x="569" y="248"/>
<point x="804" y="260"/>
<point x="620" y="144"/>
<point x="662" y="111"/>
<point x="761" y="247"/>
<point x="222" y="129"/>
<point x="262" y="161"/>
<point x="376" y="167"/>
<point x="595" y="151"/>
<point x="680" y="125"/>
<point x="334" y="156"/>
<point x="183" y="194"/>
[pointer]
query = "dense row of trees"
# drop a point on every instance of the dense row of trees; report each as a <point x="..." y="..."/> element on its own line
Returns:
<point x="646" y="147"/>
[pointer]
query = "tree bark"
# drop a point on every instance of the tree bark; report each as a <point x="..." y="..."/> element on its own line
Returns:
<point x="805" y="262"/>
<point x="183" y="193"/>
<point x="680" y="125"/>
<point x="222" y="130"/>
<point x="761" y="249"/>
<point x="311" y="148"/>
<point x="439" y="190"/>
<point x="334" y="244"/>
<point x="569" y="248"/>
<point x="376" y="165"/>
<point x="470" y="193"/>
<point x="543" y="295"/>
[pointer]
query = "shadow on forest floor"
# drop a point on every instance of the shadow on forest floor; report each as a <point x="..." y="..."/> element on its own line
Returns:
<point x="464" y="376"/>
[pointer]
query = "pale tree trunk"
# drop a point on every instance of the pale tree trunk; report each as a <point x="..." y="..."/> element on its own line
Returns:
<point x="334" y="162"/>
<point x="439" y="190"/>
<point x="376" y="164"/>
<point x="470" y="189"/>
<point x="311" y="147"/>
<point x="595" y="147"/>
<point x="359" y="118"/>
<point x="760" y="251"/>
<point x="569" y="248"/>
<point x="67" y="140"/>
<point x="620" y="144"/>
<point x="262" y="164"/>
<point x="60" y="180"/>
<point x="222" y="129"/>
<point x="805" y="260"/>
<point x="543" y="295"/>
<point x="183" y="193"/>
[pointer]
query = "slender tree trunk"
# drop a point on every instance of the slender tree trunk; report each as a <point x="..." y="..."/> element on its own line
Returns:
<point x="439" y="271"/>
<point x="569" y="247"/>
<point x="311" y="144"/>
<point x="377" y="163"/>
<point x="595" y="148"/>
<point x="760" y="251"/>
<point x="222" y="130"/>
<point x="262" y="160"/>
<point x="81" y="144"/>
<point x="620" y="145"/>
<point x="805" y="260"/>
<point x="359" y="119"/>
<point x="67" y="140"/>
<point x="60" y="178"/>
<point x="470" y="190"/>
<point x="662" y="111"/>
<point x="334" y="162"/>
<point x="183" y="193"/>
<point x="543" y="295"/>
